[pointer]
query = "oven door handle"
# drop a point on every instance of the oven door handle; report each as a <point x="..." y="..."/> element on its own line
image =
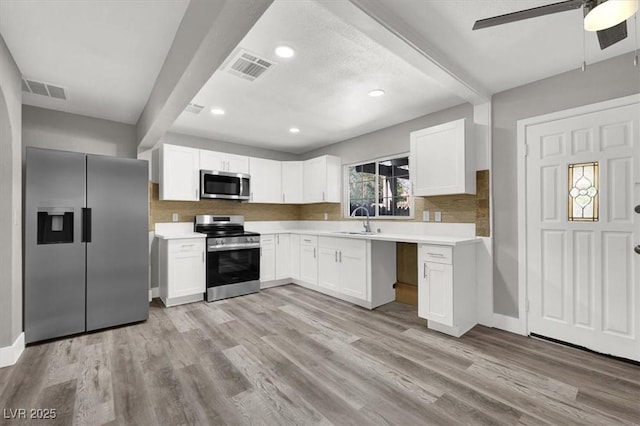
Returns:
<point x="233" y="247"/>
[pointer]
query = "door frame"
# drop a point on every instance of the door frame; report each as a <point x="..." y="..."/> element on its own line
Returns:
<point x="522" y="325"/>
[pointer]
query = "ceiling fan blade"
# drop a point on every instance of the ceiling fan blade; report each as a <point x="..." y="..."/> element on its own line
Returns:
<point x="548" y="9"/>
<point x="612" y="35"/>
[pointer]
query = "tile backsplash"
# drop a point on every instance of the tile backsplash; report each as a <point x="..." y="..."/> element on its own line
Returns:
<point x="454" y="208"/>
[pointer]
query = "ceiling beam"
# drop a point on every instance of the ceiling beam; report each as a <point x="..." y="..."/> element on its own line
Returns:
<point x="379" y="22"/>
<point x="210" y="30"/>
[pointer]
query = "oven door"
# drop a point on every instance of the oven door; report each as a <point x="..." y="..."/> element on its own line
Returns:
<point x="233" y="266"/>
<point x="231" y="186"/>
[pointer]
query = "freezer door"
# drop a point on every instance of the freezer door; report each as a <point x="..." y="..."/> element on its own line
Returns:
<point x="118" y="253"/>
<point x="54" y="256"/>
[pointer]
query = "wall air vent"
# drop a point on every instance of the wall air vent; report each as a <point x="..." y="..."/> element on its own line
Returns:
<point x="193" y="108"/>
<point x="43" y="89"/>
<point x="248" y="66"/>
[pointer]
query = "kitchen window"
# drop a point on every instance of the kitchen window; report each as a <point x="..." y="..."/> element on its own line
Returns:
<point x="382" y="187"/>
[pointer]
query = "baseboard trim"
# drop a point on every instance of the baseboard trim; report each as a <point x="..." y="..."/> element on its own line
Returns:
<point x="511" y="324"/>
<point x="9" y="355"/>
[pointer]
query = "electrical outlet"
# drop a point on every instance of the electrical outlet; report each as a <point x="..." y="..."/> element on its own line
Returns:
<point x="174" y="217"/>
<point x="438" y="216"/>
<point x="426" y="216"/>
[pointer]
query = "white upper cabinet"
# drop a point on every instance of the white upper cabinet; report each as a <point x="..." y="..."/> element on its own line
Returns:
<point x="179" y="173"/>
<point x="322" y="180"/>
<point x="292" y="182"/>
<point x="442" y="160"/>
<point x="237" y="163"/>
<point x="266" y="180"/>
<point x="212" y="160"/>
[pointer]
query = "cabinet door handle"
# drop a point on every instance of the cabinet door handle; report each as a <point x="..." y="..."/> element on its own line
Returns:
<point x="202" y="257"/>
<point x="424" y="273"/>
<point x="251" y="196"/>
<point x="340" y="256"/>
<point x="314" y="252"/>
<point x="260" y="251"/>
<point x="283" y="197"/>
<point x="278" y="239"/>
<point x="306" y="241"/>
<point x="336" y="252"/>
<point x="322" y="195"/>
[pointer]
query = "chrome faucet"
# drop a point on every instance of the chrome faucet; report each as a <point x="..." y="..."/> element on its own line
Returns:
<point x="367" y="222"/>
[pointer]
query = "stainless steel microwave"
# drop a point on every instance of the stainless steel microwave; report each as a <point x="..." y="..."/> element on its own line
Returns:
<point x="224" y="185"/>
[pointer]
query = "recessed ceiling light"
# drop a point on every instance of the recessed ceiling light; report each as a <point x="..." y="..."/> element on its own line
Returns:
<point x="376" y="92"/>
<point x="285" y="51"/>
<point x="217" y="111"/>
<point x="294" y="130"/>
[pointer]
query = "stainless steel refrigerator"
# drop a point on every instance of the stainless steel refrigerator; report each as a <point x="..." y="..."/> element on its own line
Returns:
<point x="86" y="244"/>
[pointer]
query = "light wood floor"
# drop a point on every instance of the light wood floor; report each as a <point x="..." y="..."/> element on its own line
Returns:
<point x="288" y="355"/>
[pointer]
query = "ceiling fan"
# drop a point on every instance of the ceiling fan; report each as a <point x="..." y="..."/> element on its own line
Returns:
<point x="607" y="17"/>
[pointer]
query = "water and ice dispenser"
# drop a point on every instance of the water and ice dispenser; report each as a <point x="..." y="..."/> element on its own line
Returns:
<point x="55" y="225"/>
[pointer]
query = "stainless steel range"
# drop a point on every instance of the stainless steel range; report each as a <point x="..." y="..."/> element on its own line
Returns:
<point x="233" y="256"/>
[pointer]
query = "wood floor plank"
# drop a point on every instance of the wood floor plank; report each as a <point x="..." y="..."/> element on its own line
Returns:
<point x="289" y="355"/>
<point x="288" y="403"/>
<point x="94" y="398"/>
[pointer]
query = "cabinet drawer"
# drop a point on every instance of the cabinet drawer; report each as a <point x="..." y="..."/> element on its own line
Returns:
<point x="308" y="240"/>
<point x="181" y="246"/>
<point x="436" y="254"/>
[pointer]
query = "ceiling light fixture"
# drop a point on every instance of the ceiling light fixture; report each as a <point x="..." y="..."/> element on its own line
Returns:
<point x="603" y="14"/>
<point x="285" y="51"/>
<point x="294" y="130"/>
<point x="217" y="111"/>
<point x="376" y="92"/>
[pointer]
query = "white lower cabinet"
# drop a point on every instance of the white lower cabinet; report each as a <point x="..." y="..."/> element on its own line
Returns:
<point x="283" y="256"/>
<point x="182" y="274"/>
<point x="359" y="271"/>
<point x="267" y="257"/>
<point x="447" y="287"/>
<point x="295" y="256"/>
<point x="309" y="259"/>
<point x="343" y="266"/>
<point x="275" y="257"/>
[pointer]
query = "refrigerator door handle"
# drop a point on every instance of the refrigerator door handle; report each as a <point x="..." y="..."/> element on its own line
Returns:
<point x="86" y="225"/>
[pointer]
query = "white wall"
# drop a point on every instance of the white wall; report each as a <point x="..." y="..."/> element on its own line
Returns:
<point x="391" y="140"/>
<point x="609" y="79"/>
<point x="228" y="147"/>
<point x="10" y="199"/>
<point x="45" y="128"/>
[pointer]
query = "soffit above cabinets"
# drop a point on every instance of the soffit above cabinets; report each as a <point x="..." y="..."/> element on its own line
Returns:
<point x="105" y="54"/>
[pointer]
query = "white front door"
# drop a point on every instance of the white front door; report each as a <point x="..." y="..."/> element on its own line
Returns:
<point x="583" y="276"/>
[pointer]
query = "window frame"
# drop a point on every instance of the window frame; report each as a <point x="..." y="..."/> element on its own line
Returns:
<point x="377" y="161"/>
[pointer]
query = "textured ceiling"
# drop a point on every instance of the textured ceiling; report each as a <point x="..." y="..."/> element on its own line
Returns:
<point x="322" y="90"/>
<point x="509" y="55"/>
<point x="106" y="54"/>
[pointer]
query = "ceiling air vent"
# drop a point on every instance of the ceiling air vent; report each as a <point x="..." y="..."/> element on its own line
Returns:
<point x="43" y="89"/>
<point x="248" y="66"/>
<point x="193" y="108"/>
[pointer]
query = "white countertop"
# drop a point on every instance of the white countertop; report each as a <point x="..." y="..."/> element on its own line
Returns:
<point x="400" y="238"/>
<point x="441" y="234"/>
<point x="178" y="235"/>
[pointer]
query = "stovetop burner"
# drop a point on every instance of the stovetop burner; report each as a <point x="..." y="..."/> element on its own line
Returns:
<point x="222" y="226"/>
